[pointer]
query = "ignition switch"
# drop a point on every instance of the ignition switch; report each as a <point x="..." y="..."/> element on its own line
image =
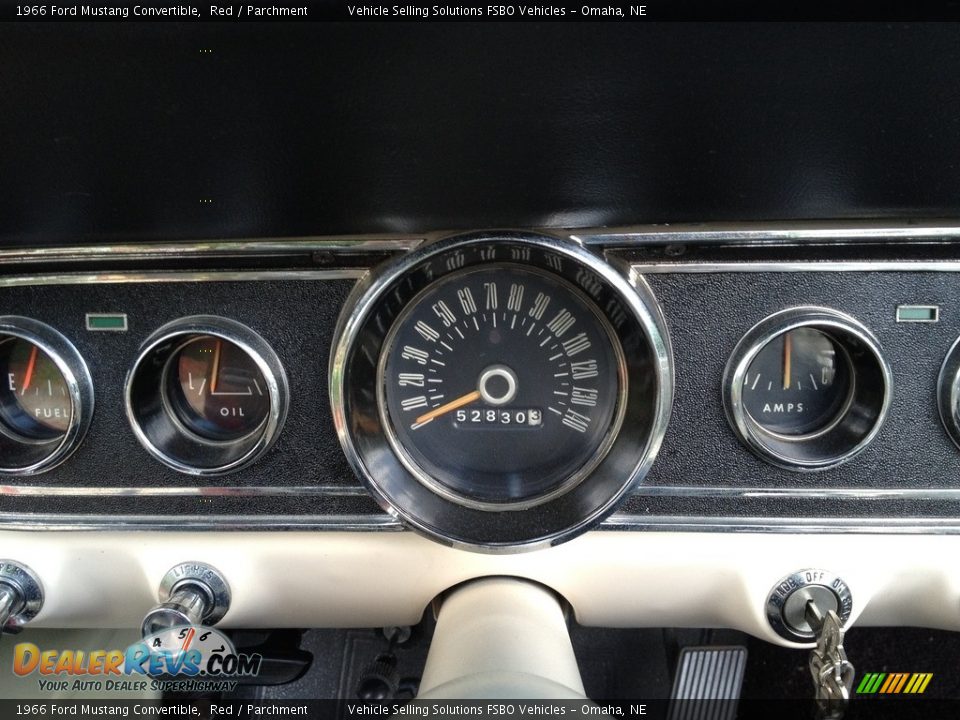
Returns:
<point x="788" y="601"/>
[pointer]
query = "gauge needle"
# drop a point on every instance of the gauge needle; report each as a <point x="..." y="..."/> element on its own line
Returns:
<point x="31" y="364"/>
<point x="216" y="367"/>
<point x="787" y="352"/>
<point x="452" y="405"/>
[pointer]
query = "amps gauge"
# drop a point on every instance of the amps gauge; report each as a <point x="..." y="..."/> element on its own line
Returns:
<point x="807" y="388"/>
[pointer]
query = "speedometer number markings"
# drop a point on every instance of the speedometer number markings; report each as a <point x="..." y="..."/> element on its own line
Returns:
<point x="577" y="344"/>
<point x="515" y="299"/>
<point x="577" y="421"/>
<point x="539" y="306"/>
<point x="562" y="322"/>
<point x="444" y="313"/>
<point x="412" y="353"/>
<point x="505" y="371"/>
<point x="427" y="332"/>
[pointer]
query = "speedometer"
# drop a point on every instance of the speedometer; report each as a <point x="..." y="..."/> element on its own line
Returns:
<point x="500" y="392"/>
<point x="501" y="384"/>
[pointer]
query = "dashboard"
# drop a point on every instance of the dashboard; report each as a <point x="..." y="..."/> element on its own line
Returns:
<point x="515" y="330"/>
<point x="691" y="387"/>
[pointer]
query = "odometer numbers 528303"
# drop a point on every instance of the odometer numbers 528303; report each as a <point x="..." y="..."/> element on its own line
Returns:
<point x="501" y="385"/>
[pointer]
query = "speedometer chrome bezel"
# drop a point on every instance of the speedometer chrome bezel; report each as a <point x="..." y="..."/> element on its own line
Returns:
<point x="620" y="296"/>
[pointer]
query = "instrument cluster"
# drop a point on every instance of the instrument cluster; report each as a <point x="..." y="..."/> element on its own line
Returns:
<point x="494" y="391"/>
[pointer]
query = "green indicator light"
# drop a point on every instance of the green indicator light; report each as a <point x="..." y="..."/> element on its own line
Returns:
<point x="106" y="322"/>
<point x="918" y="313"/>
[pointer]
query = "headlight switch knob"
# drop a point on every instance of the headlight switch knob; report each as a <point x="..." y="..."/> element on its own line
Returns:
<point x="191" y="593"/>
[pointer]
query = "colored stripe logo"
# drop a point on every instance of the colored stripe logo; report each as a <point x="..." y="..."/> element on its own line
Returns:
<point x="894" y="683"/>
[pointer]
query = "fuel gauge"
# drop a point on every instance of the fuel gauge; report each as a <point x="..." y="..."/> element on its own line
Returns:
<point x="34" y="402"/>
<point x="46" y="396"/>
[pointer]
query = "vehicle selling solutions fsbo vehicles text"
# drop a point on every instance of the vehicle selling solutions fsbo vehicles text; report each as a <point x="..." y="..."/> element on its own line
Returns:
<point x="494" y="11"/>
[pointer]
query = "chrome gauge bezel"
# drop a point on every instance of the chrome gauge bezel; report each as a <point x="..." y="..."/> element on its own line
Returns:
<point x="361" y="338"/>
<point x="858" y="421"/>
<point x="22" y="456"/>
<point x="948" y="392"/>
<point x="156" y="425"/>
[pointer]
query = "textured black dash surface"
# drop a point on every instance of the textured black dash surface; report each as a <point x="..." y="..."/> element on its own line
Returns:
<point x="297" y="318"/>
<point x="707" y="315"/>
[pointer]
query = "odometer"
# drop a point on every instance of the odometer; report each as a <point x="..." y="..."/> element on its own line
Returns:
<point x="501" y="384"/>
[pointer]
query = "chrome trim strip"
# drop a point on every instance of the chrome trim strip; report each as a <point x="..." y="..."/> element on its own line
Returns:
<point x="678" y="491"/>
<point x="175" y="276"/>
<point x="384" y="522"/>
<point x="769" y="233"/>
<point x="120" y="523"/>
<point x="798" y="266"/>
<point x="207" y="491"/>
<point x="846" y="525"/>
<point x="798" y="493"/>
<point x="742" y="234"/>
<point x="214" y="248"/>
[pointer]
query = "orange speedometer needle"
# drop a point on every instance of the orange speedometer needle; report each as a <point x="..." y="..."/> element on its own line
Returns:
<point x="452" y="405"/>
<point x="216" y="367"/>
<point x="787" y="352"/>
<point x="31" y="364"/>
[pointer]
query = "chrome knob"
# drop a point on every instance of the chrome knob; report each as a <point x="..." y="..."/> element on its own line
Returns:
<point x="191" y="593"/>
<point x="21" y="595"/>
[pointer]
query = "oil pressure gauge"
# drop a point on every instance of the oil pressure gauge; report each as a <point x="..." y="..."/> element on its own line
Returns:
<point x="807" y="388"/>
<point x="207" y="395"/>
<point x="46" y="396"/>
<point x="216" y="389"/>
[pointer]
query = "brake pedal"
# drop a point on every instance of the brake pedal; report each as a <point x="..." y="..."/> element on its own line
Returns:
<point x="708" y="683"/>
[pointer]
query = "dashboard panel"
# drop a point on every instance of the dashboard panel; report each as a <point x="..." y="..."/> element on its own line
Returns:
<point x="680" y="529"/>
<point x="712" y="286"/>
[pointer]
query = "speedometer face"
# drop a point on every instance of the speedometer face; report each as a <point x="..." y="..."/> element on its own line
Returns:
<point x="501" y="385"/>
